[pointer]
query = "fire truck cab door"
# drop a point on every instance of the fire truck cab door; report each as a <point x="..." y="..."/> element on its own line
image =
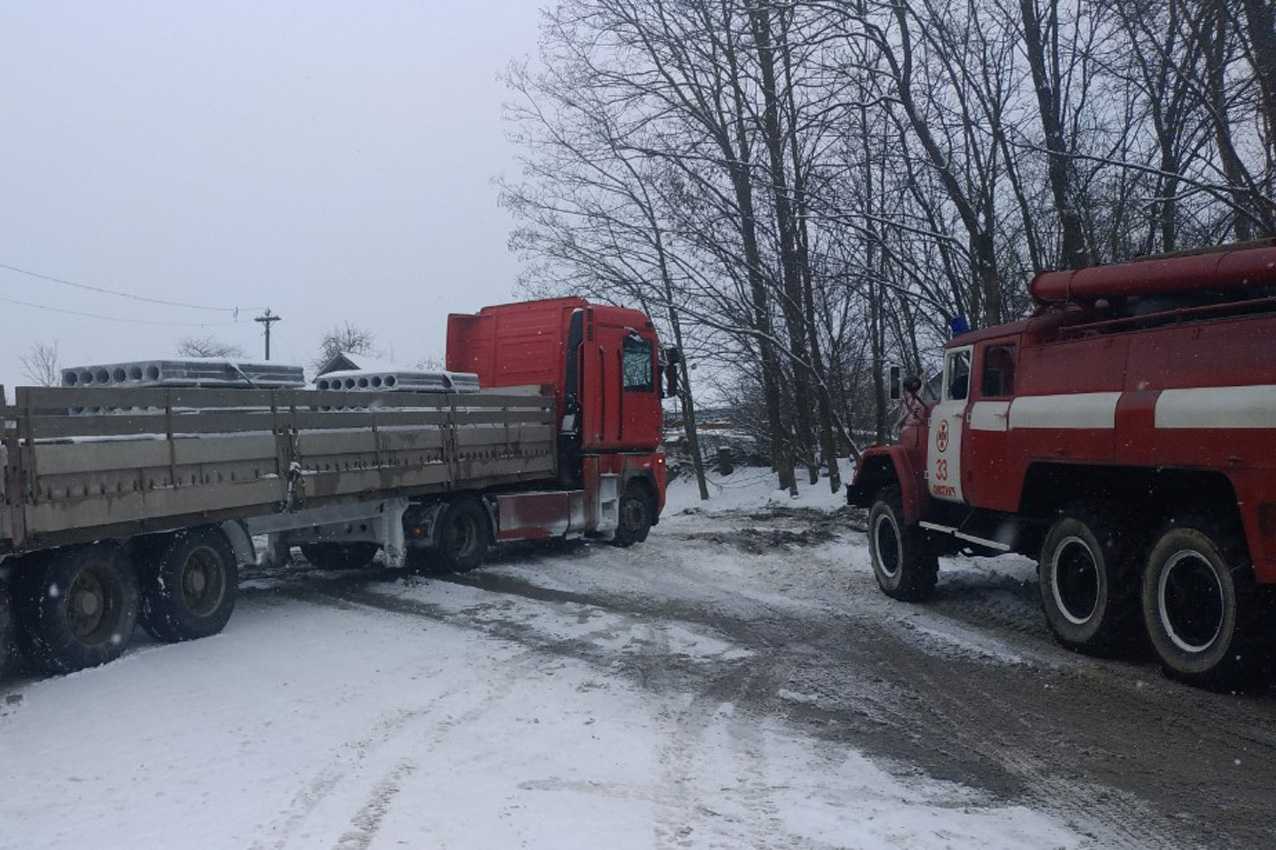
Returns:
<point x="988" y="479"/>
<point x="947" y="422"/>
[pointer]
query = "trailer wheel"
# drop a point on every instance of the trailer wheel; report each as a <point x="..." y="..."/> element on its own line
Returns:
<point x="77" y="607"/>
<point x="635" y="516"/>
<point x="903" y="565"/>
<point x="463" y="536"/>
<point x="189" y="591"/>
<point x="1201" y="607"/>
<point x="340" y="556"/>
<point x="1088" y="581"/>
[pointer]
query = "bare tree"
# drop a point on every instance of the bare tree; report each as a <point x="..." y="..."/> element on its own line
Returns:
<point x="347" y="337"/>
<point x="1055" y="69"/>
<point x="207" y="346"/>
<point x="41" y="365"/>
<point x="1260" y="34"/>
<point x="805" y="193"/>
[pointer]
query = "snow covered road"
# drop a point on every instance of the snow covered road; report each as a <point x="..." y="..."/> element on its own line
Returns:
<point x="735" y="682"/>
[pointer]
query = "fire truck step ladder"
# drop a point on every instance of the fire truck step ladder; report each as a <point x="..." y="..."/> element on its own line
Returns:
<point x="961" y="535"/>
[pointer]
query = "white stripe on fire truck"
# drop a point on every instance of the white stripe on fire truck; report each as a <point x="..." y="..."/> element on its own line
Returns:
<point x="1251" y="406"/>
<point x="1069" y="410"/>
<point x="989" y="415"/>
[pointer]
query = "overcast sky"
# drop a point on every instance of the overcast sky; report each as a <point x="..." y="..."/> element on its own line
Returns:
<point x="330" y="160"/>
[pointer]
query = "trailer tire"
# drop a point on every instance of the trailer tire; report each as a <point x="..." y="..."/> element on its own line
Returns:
<point x="189" y="591"/>
<point x="1201" y="606"/>
<point x="340" y="556"/>
<point x="904" y="566"/>
<point x="77" y="607"/>
<point x="463" y="536"/>
<point x="1088" y="580"/>
<point x="634" y="522"/>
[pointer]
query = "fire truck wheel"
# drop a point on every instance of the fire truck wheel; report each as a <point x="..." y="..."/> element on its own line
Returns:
<point x="635" y="516"/>
<point x="189" y="588"/>
<point x="340" y="556"/>
<point x="463" y="536"/>
<point x="77" y="607"/>
<point x="904" y="566"/>
<point x="1088" y="582"/>
<point x="1201" y="607"/>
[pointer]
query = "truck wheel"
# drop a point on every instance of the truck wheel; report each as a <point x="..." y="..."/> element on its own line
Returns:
<point x="340" y="556"/>
<point x="1201" y="608"/>
<point x="77" y="607"/>
<point x="635" y="516"/>
<point x="189" y="592"/>
<point x="1088" y="582"/>
<point x="463" y="536"/>
<point x="903" y="565"/>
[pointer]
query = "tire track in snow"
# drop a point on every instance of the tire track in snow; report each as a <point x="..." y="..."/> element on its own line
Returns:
<point x="366" y="822"/>
<point x="1095" y="750"/>
<point x="350" y="759"/>
<point x="391" y="726"/>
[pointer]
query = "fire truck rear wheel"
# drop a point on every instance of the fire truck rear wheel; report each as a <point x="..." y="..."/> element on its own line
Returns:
<point x="635" y="516"/>
<point x="77" y="607"/>
<point x="464" y="535"/>
<point x="189" y="588"/>
<point x="1201" y="607"/>
<point x="903" y="564"/>
<point x="340" y="556"/>
<point x="1088" y="581"/>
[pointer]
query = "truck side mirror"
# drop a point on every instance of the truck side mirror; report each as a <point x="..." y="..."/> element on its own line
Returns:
<point x="896" y="385"/>
<point x="672" y="358"/>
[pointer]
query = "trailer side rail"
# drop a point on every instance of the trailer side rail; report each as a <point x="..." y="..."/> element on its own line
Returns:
<point x="82" y="463"/>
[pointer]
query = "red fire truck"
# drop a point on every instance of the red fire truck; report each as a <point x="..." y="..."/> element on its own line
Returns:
<point x="137" y="505"/>
<point x="1123" y="436"/>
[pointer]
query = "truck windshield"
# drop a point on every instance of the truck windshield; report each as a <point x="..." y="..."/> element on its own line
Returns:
<point x="637" y="361"/>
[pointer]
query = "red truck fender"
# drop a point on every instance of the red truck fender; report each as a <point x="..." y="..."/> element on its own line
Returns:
<point x="880" y="466"/>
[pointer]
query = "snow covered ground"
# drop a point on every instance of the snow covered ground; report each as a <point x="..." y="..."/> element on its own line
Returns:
<point x="670" y="695"/>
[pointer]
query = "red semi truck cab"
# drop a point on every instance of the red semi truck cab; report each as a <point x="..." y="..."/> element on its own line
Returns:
<point x="1122" y="436"/>
<point x="604" y="366"/>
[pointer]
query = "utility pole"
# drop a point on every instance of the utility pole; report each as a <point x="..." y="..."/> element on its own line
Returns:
<point x="268" y="319"/>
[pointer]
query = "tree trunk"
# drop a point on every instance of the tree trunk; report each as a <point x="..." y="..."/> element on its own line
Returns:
<point x="878" y="363"/>
<point x="760" y="20"/>
<point x="985" y="292"/>
<point x="738" y="170"/>
<point x="1260" y="17"/>
<point x="1073" y="248"/>
<point x="685" y="397"/>
<point x="828" y="441"/>
<point x="1214" y="34"/>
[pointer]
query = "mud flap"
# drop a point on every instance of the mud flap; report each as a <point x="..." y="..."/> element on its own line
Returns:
<point x="607" y="505"/>
<point x="241" y="542"/>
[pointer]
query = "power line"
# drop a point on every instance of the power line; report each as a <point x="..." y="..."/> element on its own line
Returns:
<point x="83" y="314"/>
<point x="90" y="287"/>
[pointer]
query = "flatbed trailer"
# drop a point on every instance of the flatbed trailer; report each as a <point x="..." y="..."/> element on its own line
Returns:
<point x="149" y="460"/>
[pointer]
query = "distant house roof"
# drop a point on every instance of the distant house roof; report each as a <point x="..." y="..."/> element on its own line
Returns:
<point x="348" y="361"/>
